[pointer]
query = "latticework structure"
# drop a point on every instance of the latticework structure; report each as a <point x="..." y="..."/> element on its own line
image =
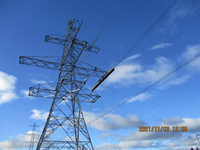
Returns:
<point x="65" y="117"/>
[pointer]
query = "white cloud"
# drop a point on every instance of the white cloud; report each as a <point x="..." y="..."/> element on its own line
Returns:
<point x="171" y="144"/>
<point x="144" y="143"/>
<point x="159" y="140"/>
<point x="106" y="134"/>
<point x="189" y="141"/>
<point x="140" y="136"/>
<point x="191" y="52"/>
<point x="176" y="148"/>
<point x="38" y="81"/>
<point x="7" y="85"/>
<point x="140" y="97"/>
<point x="125" y="145"/>
<point x="96" y="109"/>
<point x="25" y="93"/>
<point x="21" y="141"/>
<point x="112" y="121"/>
<point x="181" y="11"/>
<point x="193" y="127"/>
<point x="39" y="115"/>
<point x="160" y="46"/>
<point x="69" y="139"/>
<point x="173" y="80"/>
<point x="172" y="121"/>
<point x="130" y="58"/>
<point x="130" y="72"/>
<point x="121" y="145"/>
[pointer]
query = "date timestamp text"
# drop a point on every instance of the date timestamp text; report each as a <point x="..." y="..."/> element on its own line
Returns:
<point x="162" y="129"/>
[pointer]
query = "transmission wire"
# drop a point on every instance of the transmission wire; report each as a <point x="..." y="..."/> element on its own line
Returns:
<point x="102" y="120"/>
<point x="102" y="28"/>
<point x="159" y="18"/>
<point x="148" y="87"/>
<point x="108" y="19"/>
<point x="112" y="114"/>
<point x="147" y="31"/>
<point x="75" y="9"/>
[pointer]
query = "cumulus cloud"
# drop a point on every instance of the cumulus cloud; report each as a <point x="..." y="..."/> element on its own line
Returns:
<point x="38" y="81"/>
<point x="121" y="145"/>
<point x="7" y="85"/>
<point x="21" y="141"/>
<point x="176" y="148"/>
<point x="140" y="136"/>
<point x="144" y="143"/>
<point x="189" y="141"/>
<point x="172" y="121"/>
<point x="192" y="51"/>
<point x="150" y="144"/>
<point x="129" y="145"/>
<point x="113" y="121"/>
<point x="193" y="127"/>
<point x="132" y="72"/>
<point x="171" y="144"/>
<point x="160" y="46"/>
<point x="39" y="115"/>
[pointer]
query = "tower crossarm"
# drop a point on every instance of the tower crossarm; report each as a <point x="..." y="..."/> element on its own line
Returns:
<point x="80" y="69"/>
<point x="72" y="31"/>
<point x="88" y="47"/>
<point x="32" y="61"/>
<point x="61" y="40"/>
<point x="48" y="91"/>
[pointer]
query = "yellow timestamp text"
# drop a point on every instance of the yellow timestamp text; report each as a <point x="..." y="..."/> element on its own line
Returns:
<point x="162" y="129"/>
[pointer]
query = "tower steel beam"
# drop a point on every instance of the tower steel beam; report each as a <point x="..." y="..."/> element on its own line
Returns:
<point x="81" y="68"/>
<point x="65" y="115"/>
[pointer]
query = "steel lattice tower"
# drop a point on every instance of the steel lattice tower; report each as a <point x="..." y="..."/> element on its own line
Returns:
<point x="31" y="146"/>
<point x="65" y="115"/>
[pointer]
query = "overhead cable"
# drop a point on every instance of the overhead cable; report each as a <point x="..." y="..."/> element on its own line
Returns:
<point x="102" y="28"/>
<point x="149" y="29"/>
<point x="148" y="87"/>
<point x="74" y="9"/>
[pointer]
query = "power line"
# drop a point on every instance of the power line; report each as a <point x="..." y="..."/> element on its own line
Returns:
<point x="148" y="87"/>
<point x="108" y="19"/>
<point x="102" y="28"/>
<point x="75" y="9"/>
<point x="151" y="27"/>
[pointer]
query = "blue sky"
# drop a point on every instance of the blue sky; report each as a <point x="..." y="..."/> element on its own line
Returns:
<point x="173" y="41"/>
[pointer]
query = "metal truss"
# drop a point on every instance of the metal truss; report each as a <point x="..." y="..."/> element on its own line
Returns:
<point x="65" y="115"/>
<point x="31" y="146"/>
<point x="80" y="69"/>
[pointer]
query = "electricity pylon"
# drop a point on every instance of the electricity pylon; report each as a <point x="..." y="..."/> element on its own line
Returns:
<point x="31" y="146"/>
<point x="65" y="116"/>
